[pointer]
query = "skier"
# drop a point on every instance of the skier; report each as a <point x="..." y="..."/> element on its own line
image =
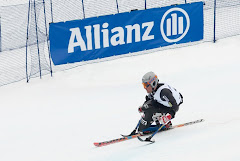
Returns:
<point x="161" y="105"/>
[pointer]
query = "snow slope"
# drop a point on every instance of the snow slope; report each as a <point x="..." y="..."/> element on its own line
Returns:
<point x="59" y="118"/>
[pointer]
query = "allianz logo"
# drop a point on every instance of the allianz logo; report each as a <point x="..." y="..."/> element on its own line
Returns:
<point x="98" y="36"/>
<point x="172" y="24"/>
<point x="101" y="33"/>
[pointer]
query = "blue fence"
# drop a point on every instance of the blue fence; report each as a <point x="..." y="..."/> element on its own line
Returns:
<point x="24" y="30"/>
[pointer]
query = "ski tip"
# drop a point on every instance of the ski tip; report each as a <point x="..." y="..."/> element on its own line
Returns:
<point x="200" y="120"/>
<point x="146" y="140"/>
<point x="151" y="141"/>
<point x="97" y="144"/>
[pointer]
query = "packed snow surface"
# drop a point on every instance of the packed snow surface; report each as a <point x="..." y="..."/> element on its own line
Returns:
<point x="59" y="118"/>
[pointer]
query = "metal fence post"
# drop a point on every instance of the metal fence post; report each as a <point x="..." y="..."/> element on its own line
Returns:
<point x="29" y="8"/>
<point x="39" y="61"/>
<point x="45" y="18"/>
<point x="51" y="10"/>
<point x="145" y="4"/>
<point x="83" y="9"/>
<point x="117" y="6"/>
<point x="214" y="26"/>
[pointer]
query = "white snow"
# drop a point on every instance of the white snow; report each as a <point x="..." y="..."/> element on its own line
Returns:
<point x="59" y="118"/>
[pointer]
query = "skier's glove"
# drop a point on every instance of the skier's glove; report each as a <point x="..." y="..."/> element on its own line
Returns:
<point x="140" y="109"/>
<point x="165" y="119"/>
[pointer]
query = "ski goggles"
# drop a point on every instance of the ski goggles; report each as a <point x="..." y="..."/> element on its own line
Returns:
<point x="147" y="84"/>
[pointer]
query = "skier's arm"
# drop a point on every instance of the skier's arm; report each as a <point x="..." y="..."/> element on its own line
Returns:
<point x="148" y="97"/>
<point x="166" y="94"/>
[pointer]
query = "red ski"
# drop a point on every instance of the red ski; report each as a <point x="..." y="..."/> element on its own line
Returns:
<point x="104" y="143"/>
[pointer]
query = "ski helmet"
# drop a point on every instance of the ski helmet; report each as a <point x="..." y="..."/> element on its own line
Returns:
<point x="150" y="78"/>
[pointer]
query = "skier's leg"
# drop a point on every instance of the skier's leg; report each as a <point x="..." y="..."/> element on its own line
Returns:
<point x="150" y="129"/>
<point x="146" y="120"/>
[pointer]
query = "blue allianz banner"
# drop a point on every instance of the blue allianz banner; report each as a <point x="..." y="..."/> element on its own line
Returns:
<point x="105" y="36"/>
